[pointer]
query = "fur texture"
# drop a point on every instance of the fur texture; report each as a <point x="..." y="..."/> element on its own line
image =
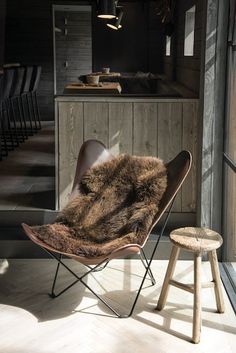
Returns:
<point x="118" y="202"/>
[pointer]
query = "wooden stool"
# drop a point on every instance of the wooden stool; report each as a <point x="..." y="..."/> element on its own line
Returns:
<point x="196" y="240"/>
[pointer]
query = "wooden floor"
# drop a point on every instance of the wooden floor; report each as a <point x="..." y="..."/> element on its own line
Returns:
<point x="27" y="175"/>
<point x="30" y="321"/>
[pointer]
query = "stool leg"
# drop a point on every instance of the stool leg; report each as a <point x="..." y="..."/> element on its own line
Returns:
<point x="169" y="273"/>
<point x="197" y="298"/>
<point x="217" y="282"/>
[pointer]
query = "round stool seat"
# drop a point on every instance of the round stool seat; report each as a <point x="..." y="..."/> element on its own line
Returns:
<point x="196" y="239"/>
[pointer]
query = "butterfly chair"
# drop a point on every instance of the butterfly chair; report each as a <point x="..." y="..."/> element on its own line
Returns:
<point x="93" y="153"/>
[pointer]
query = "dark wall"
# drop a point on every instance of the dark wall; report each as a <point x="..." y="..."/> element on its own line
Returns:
<point x="126" y="49"/>
<point x="138" y="46"/>
<point x="156" y="40"/>
<point x="30" y="41"/>
<point x="2" y="30"/>
<point x="186" y="69"/>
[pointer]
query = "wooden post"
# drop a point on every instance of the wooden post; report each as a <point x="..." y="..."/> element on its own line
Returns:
<point x="213" y="89"/>
<point x="217" y="282"/>
<point x="197" y="298"/>
<point x="169" y="273"/>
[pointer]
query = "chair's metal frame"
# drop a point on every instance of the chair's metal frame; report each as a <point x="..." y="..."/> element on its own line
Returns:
<point x="100" y="266"/>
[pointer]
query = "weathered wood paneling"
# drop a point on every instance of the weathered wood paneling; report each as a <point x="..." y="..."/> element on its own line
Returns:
<point x="145" y="129"/>
<point x="213" y="105"/>
<point x="120" y="128"/>
<point x="74" y="47"/>
<point x="190" y="125"/>
<point x="170" y="136"/>
<point x="96" y="121"/>
<point x="156" y="128"/>
<point x="70" y="138"/>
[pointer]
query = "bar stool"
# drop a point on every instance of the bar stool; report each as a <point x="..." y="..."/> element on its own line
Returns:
<point x="24" y="97"/>
<point x="197" y="241"/>
<point x="36" y="74"/>
<point x="8" y="120"/>
<point x="16" y="104"/>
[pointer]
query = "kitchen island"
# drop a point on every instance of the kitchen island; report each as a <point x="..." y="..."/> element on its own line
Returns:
<point x="137" y="125"/>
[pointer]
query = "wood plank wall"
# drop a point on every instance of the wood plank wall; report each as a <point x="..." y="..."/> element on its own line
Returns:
<point x="185" y="69"/>
<point x="156" y="128"/>
<point x="74" y="48"/>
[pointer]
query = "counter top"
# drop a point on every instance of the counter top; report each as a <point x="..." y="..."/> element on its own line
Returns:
<point x="101" y="88"/>
<point x="119" y="98"/>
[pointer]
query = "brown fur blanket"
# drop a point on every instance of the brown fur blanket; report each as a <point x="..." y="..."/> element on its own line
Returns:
<point x="118" y="202"/>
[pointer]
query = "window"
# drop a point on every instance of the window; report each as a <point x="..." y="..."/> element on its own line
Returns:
<point x="168" y="43"/>
<point x="189" y="32"/>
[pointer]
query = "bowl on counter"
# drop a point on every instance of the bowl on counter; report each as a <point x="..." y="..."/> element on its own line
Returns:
<point x="105" y="70"/>
<point x="92" y="79"/>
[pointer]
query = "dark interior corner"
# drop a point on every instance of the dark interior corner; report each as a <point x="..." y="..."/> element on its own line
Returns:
<point x="138" y="46"/>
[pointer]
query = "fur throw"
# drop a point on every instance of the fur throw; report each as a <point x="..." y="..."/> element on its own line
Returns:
<point x="117" y="205"/>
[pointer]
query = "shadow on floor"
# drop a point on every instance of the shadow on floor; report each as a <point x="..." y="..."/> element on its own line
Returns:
<point x="28" y="288"/>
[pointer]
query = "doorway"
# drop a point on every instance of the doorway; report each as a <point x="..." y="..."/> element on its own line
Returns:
<point x="72" y="44"/>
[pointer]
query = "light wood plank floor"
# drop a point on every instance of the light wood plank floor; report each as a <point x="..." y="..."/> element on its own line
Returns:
<point x="30" y="321"/>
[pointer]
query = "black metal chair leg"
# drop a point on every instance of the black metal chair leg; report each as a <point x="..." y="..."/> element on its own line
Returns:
<point x="37" y="110"/>
<point x="20" y="134"/>
<point x="30" y="114"/>
<point x="80" y="279"/>
<point x="30" y="128"/>
<point x="55" y="278"/>
<point x="8" y="132"/>
<point x="145" y="264"/>
<point x="34" y="114"/>
<point x="4" y="149"/>
<point x="13" y="119"/>
<point x="22" y="116"/>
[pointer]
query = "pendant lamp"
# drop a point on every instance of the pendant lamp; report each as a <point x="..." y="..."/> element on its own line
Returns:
<point x="107" y="9"/>
<point x="116" y="22"/>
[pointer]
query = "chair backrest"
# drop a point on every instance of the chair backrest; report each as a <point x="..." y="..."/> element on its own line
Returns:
<point x="35" y="78"/>
<point x="8" y="78"/>
<point x="18" y="81"/>
<point x="92" y="152"/>
<point x="27" y="79"/>
<point x="177" y="171"/>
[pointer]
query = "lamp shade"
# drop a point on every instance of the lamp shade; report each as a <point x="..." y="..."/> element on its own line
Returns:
<point x="116" y="23"/>
<point x="107" y="9"/>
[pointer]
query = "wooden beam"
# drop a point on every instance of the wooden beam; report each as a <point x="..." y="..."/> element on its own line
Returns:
<point x="213" y="96"/>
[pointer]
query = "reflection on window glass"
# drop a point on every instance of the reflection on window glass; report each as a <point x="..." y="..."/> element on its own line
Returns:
<point x="189" y="32"/>
<point x="168" y="42"/>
